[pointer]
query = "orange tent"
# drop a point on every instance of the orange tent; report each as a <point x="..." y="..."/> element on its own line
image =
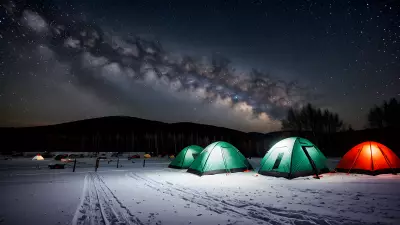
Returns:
<point x="370" y="158"/>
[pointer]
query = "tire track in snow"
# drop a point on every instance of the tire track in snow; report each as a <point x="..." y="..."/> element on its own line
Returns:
<point x="238" y="208"/>
<point x="99" y="205"/>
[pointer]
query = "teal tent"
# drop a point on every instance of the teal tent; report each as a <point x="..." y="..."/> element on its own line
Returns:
<point x="219" y="157"/>
<point x="186" y="157"/>
<point x="293" y="157"/>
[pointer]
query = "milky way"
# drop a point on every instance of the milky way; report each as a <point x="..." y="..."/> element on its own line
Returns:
<point x="126" y="73"/>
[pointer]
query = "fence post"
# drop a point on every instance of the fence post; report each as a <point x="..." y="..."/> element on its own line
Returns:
<point x="144" y="162"/>
<point x="74" y="165"/>
<point x="117" y="162"/>
<point x="97" y="164"/>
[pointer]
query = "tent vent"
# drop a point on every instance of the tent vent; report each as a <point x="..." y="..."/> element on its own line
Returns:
<point x="278" y="161"/>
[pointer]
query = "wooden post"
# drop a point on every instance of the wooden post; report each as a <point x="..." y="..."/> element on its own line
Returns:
<point x="117" y="161"/>
<point x="97" y="164"/>
<point x="73" y="170"/>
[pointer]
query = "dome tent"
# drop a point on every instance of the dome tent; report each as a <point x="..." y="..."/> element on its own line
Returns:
<point x="370" y="158"/>
<point x="293" y="157"/>
<point x="219" y="157"/>
<point x="186" y="157"/>
<point x="38" y="157"/>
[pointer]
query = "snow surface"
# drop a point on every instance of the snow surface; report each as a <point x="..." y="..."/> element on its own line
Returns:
<point x="156" y="194"/>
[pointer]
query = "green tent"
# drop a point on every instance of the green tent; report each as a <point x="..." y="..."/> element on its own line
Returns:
<point x="293" y="157"/>
<point x="219" y="157"/>
<point x="185" y="158"/>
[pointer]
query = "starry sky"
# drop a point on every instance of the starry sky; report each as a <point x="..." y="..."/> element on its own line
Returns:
<point x="239" y="64"/>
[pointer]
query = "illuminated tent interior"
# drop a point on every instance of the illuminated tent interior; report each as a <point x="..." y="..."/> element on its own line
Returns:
<point x="186" y="157"/>
<point x="293" y="157"/>
<point x="369" y="158"/>
<point x="219" y="157"/>
<point x="38" y="157"/>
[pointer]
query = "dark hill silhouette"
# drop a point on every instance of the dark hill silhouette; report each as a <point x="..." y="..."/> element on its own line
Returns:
<point x="117" y="133"/>
<point x="122" y="133"/>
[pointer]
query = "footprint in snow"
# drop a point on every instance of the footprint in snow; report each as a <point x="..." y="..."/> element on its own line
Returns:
<point x="199" y="214"/>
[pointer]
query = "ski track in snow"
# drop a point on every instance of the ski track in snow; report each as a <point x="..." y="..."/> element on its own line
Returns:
<point x="99" y="205"/>
<point x="340" y="197"/>
<point x="260" y="214"/>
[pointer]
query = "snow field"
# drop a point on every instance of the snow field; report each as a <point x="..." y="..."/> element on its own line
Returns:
<point x="159" y="195"/>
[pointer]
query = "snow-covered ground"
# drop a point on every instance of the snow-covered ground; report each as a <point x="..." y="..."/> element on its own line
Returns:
<point x="156" y="194"/>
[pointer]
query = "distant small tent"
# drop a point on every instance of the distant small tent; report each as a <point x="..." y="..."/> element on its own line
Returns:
<point x="369" y="158"/>
<point x="293" y="157"/>
<point x="146" y="156"/>
<point x="38" y="157"/>
<point x="219" y="157"/>
<point x="186" y="157"/>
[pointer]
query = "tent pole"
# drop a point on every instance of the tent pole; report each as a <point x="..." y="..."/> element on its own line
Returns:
<point x="184" y="156"/>
<point x="358" y="155"/>
<point x="387" y="161"/>
<point x="237" y="150"/>
<point x="202" y="169"/>
<point x="372" y="159"/>
<point x="311" y="161"/>
<point x="291" y="160"/>
<point x="223" y="157"/>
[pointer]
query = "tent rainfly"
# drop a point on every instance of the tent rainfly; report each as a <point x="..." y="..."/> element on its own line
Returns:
<point x="293" y="157"/>
<point x="186" y="157"/>
<point x="370" y="158"/>
<point x="38" y="157"/>
<point x="219" y="157"/>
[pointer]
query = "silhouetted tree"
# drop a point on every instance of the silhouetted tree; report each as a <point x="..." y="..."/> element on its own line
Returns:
<point x="350" y="128"/>
<point x="312" y="119"/>
<point x="386" y="115"/>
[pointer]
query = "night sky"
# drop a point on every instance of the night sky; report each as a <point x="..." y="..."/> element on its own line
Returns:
<point x="237" y="64"/>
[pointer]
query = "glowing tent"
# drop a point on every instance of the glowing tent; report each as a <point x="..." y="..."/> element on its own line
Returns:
<point x="219" y="157"/>
<point x="147" y="156"/>
<point x="293" y="157"/>
<point x="38" y="157"/>
<point x="369" y="158"/>
<point x="186" y="157"/>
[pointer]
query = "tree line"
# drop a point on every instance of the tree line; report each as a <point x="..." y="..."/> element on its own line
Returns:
<point x="315" y="120"/>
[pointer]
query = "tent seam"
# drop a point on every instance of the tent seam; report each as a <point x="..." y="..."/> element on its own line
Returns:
<point x="205" y="163"/>
<point x="223" y="158"/>
<point x="184" y="156"/>
<point x="237" y="155"/>
<point x="372" y="159"/>
<point x="386" y="159"/>
<point x="355" y="160"/>
<point x="291" y="159"/>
